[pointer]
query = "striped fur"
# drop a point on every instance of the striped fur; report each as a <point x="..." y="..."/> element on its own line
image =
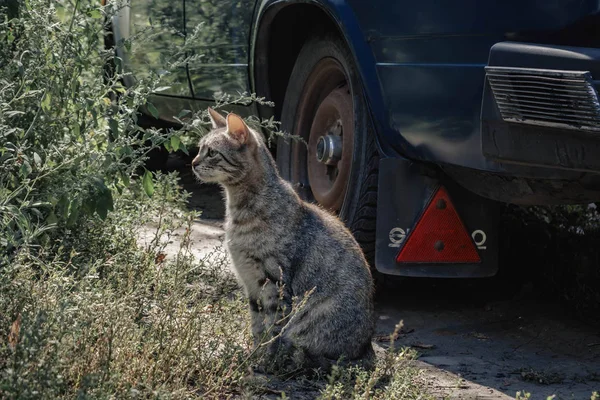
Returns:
<point x="282" y="248"/>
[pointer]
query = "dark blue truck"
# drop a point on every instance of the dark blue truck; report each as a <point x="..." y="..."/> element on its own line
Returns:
<point x="422" y="117"/>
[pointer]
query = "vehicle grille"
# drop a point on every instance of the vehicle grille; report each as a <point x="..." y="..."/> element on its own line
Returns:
<point x="565" y="99"/>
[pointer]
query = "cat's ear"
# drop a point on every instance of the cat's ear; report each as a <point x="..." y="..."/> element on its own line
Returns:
<point x="218" y="121"/>
<point x="237" y="128"/>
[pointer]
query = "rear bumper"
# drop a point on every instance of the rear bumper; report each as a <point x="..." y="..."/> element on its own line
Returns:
<point x="540" y="107"/>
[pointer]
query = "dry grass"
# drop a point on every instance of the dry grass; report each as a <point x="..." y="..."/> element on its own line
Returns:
<point x="94" y="315"/>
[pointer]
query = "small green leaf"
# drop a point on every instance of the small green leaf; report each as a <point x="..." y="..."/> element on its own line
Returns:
<point x="167" y="146"/>
<point x="101" y="210"/>
<point x="99" y="183"/>
<point x="175" y="142"/>
<point x="125" y="179"/>
<point x="109" y="200"/>
<point x="162" y="88"/>
<point x="114" y="127"/>
<point x="108" y="161"/>
<point x="147" y="183"/>
<point x="46" y="101"/>
<point x="152" y="110"/>
<point x="102" y="207"/>
<point x="95" y="14"/>
<point x="94" y="117"/>
<point x="74" y="88"/>
<point x="184" y="149"/>
<point x="119" y="64"/>
<point x="25" y="169"/>
<point x="73" y="212"/>
<point x="37" y="159"/>
<point x="183" y="113"/>
<point x="75" y="128"/>
<point x="88" y="206"/>
<point x="44" y="239"/>
<point x="13" y="113"/>
<point x="51" y="219"/>
<point x="63" y="205"/>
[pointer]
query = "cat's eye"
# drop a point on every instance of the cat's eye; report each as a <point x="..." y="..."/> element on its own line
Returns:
<point x="212" y="152"/>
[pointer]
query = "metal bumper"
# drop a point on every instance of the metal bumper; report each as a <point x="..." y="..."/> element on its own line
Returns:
<point x="540" y="106"/>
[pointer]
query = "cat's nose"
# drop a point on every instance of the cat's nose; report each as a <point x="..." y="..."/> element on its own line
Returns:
<point x="196" y="160"/>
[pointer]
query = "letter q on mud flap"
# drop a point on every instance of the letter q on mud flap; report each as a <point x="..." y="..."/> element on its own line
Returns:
<point x="397" y="236"/>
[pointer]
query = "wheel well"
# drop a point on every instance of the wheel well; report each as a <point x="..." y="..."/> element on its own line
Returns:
<point x="281" y="36"/>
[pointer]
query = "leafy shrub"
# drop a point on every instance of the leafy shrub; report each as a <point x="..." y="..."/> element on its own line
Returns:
<point x="66" y="148"/>
<point x="86" y="310"/>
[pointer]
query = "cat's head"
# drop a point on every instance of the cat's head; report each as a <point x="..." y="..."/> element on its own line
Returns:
<point x="227" y="152"/>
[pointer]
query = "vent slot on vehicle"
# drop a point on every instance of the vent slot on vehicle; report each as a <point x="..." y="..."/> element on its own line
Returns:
<point x="563" y="99"/>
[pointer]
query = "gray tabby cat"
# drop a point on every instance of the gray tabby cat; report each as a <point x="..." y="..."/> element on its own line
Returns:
<point x="282" y="248"/>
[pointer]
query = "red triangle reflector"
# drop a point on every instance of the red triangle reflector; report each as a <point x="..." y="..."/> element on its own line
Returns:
<point x="439" y="236"/>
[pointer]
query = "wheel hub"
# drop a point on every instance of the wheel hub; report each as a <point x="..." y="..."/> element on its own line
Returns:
<point x="329" y="149"/>
<point x="325" y="119"/>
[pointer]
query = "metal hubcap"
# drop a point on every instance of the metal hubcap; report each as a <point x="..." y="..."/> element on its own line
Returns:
<point x="326" y="121"/>
<point x="329" y="149"/>
<point x="331" y="131"/>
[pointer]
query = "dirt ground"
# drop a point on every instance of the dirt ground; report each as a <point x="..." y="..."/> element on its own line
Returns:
<point x="472" y="345"/>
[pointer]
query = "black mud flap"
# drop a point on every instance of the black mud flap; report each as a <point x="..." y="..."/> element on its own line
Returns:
<point x="403" y="195"/>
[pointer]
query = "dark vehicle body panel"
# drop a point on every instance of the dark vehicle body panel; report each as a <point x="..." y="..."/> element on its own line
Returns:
<point x="431" y="60"/>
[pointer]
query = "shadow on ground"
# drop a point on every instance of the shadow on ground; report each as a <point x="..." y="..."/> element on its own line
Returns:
<point x="526" y="342"/>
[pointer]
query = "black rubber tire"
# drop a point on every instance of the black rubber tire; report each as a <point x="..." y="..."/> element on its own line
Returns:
<point x="359" y="207"/>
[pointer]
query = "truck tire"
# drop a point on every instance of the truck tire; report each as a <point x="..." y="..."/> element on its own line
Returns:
<point x="337" y="166"/>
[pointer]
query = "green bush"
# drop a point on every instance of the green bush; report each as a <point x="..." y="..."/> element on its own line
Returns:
<point x="96" y="315"/>
<point x="86" y="310"/>
<point x="65" y="147"/>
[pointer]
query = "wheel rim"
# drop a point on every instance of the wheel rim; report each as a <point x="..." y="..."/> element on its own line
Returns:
<point x="325" y="120"/>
